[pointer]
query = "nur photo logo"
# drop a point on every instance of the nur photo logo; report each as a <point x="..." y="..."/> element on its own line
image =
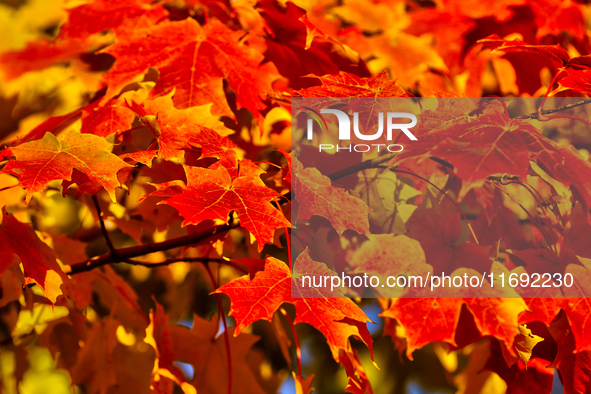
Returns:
<point x="387" y="121"/>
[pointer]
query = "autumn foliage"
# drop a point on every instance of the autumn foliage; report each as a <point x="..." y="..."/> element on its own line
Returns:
<point x="148" y="172"/>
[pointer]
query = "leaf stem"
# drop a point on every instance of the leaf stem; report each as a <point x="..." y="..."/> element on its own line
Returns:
<point x="104" y="228"/>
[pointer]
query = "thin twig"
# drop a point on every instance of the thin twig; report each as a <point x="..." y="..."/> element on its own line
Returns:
<point x="104" y="228"/>
<point x="364" y="165"/>
<point x="534" y="115"/>
<point x="8" y="187"/>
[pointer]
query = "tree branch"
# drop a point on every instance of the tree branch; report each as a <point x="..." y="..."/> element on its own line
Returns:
<point x="126" y="254"/>
<point x="534" y="115"/>
<point x="140" y="250"/>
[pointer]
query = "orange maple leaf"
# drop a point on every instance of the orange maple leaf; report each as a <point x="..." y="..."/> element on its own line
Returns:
<point x="48" y="159"/>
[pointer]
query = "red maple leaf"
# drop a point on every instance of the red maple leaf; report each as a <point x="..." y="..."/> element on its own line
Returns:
<point x="38" y="259"/>
<point x="336" y="317"/>
<point x="212" y="193"/>
<point x="194" y="60"/>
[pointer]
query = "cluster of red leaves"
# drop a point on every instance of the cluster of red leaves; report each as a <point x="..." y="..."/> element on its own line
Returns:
<point x="176" y="149"/>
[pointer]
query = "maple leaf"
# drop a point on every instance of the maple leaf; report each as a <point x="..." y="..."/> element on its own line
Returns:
<point x="524" y="343"/>
<point x="558" y="17"/>
<point x="577" y="311"/>
<point x="104" y="120"/>
<point x="336" y="317"/>
<point x="194" y="60"/>
<point x="200" y="347"/>
<point x="346" y="84"/>
<point x="316" y="196"/>
<point x="573" y="368"/>
<point x="572" y="73"/>
<point x="97" y="371"/>
<point x="11" y="282"/>
<point x="42" y="161"/>
<point x="76" y="35"/>
<point x="520" y="378"/>
<point x="299" y="48"/>
<point x="438" y="235"/>
<point x="443" y="314"/>
<point x="177" y="129"/>
<point x="38" y="259"/>
<point x="450" y="42"/>
<point x="39" y="55"/>
<point x="540" y="309"/>
<point x="303" y="386"/>
<point x="406" y="56"/>
<point x="214" y="193"/>
<point x="386" y="255"/>
<point x="100" y="15"/>
<point x="493" y="143"/>
<point x="555" y="53"/>
<point x="574" y="371"/>
<point x="358" y="381"/>
<point x="287" y="176"/>
<point x="488" y="145"/>
<point x="500" y="10"/>
<point x="95" y="356"/>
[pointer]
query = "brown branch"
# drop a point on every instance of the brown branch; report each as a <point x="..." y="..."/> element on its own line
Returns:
<point x="126" y="254"/>
<point x="140" y="250"/>
<point x="534" y="115"/>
